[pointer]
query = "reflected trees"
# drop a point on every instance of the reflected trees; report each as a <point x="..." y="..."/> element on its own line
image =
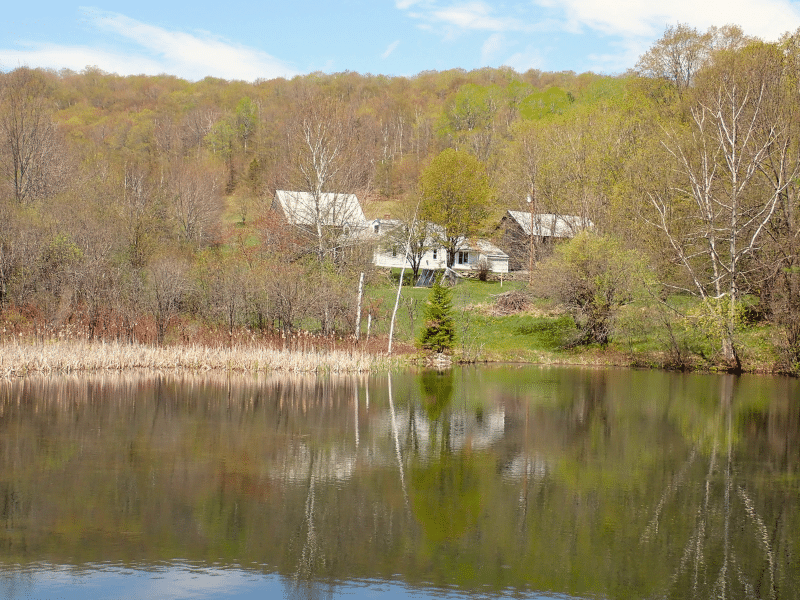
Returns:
<point x="730" y="551"/>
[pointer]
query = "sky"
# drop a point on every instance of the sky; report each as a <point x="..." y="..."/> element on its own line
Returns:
<point x="244" y="40"/>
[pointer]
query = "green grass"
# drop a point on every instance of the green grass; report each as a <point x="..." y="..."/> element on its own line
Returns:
<point x="525" y="337"/>
<point x="513" y="338"/>
<point x="645" y="333"/>
<point x="467" y="293"/>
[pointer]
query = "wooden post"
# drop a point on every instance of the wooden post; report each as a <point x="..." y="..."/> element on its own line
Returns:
<point x="532" y="252"/>
<point x="358" y="307"/>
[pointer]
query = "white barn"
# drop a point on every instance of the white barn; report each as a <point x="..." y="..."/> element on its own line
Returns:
<point x="326" y="209"/>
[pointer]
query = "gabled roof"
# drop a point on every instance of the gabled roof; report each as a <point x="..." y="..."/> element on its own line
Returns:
<point x="301" y="208"/>
<point x="485" y="247"/>
<point x="550" y="225"/>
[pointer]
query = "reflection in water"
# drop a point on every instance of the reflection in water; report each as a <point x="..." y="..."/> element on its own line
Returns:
<point x="729" y="532"/>
<point x="616" y="484"/>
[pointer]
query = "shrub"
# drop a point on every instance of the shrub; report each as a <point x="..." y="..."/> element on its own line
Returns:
<point x="592" y="276"/>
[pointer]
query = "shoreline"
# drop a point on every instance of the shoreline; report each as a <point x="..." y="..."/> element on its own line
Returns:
<point x="71" y="357"/>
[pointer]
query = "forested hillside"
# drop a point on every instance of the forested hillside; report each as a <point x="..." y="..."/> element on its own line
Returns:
<point x="137" y="207"/>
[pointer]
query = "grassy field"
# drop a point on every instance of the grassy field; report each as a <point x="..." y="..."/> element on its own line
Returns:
<point x="646" y="333"/>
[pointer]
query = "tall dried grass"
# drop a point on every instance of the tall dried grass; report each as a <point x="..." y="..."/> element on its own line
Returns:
<point x="63" y="357"/>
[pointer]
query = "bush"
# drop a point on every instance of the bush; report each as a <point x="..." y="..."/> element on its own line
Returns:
<point x="592" y="276"/>
<point x="483" y="269"/>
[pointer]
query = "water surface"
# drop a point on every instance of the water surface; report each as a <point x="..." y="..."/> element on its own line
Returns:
<point x="493" y="482"/>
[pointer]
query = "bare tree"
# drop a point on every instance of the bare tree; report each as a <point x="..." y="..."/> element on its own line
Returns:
<point x="677" y="56"/>
<point x="734" y="165"/>
<point x="326" y="168"/>
<point x="195" y="197"/>
<point x="139" y="211"/>
<point x="167" y="284"/>
<point x="680" y="54"/>
<point x="410" y="235"/>
<point x="32" y="155"/>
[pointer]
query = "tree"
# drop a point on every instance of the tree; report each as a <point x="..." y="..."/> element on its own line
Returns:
<point x="167" y="284"/>
<point x="439" y="333"/>
<point x="593" y="276"/>
<point x="195" y="197"/>
<point x="32" y="149"/>
<point x="680" y="54"/>
<point x="246" y="120"/>
<point x="455" y="195"/>
<point x="469" y="118"/>
<point x="326" y="166"/>
<point x="734" y="165"/>
<point x="677" y="56"/>
<point x="411" y="236"/>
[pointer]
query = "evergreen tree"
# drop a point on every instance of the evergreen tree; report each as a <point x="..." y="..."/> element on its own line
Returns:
<point x="440" y="332"/>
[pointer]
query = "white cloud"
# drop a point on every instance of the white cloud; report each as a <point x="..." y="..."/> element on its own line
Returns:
<point x="493" y="45"/>
<point x="476" y="16"/>
<point x="619" y="31"/>
<point x="153" y="50"/>
<point x="390" y="49"/>
<point x="767" y="19"/>
<point x="530" y="58"/>
<point x="472" y="15"/>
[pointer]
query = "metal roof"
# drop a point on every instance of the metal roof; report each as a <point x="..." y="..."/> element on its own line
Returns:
<point x="550" y="225"/>
<point x="303" y="208"/>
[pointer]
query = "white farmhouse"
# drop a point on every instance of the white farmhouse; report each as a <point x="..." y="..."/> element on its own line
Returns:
<point x="469" y="257"/>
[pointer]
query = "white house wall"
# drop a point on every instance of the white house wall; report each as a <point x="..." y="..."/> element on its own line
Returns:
<point x="385" y="259"/>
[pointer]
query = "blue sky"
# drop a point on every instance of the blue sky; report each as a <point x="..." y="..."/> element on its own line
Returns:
<point x="245" y="40"/>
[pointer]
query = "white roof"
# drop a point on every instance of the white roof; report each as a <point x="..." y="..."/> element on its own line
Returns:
<point x="301" y="208"/>
<point x="550" y="225"/>
<point x="485" y="247"/>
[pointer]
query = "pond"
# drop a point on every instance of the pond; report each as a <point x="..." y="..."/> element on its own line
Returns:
<point x="493" y="482"/>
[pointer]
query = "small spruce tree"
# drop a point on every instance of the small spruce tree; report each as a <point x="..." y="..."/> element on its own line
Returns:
<point x="439" y="333"/>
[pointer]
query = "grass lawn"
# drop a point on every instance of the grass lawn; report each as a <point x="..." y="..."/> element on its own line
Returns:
<point x="530" y="337"/>
<point x="645" y="332"/>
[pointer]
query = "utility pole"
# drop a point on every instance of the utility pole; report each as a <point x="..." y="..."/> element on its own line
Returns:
<point x="532" y="249"/>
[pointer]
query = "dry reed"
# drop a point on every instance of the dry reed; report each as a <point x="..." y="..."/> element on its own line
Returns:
<point x="64" y="357"/>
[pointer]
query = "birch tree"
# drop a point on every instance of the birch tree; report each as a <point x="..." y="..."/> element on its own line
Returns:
<point x="326" y="165"/>
<point x="733" y="165"/>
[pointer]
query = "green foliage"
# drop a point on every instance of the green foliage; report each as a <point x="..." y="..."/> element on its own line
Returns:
<point x="439" y="333"/>
<point x="552" y="101"/>
<point x="471" y="108"/>
<point x="593" y="276"/>
<point x="455" y="194"/>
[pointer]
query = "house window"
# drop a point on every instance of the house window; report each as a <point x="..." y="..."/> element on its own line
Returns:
<point x="435" y="253"/>
<point x="463" y="258"/>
